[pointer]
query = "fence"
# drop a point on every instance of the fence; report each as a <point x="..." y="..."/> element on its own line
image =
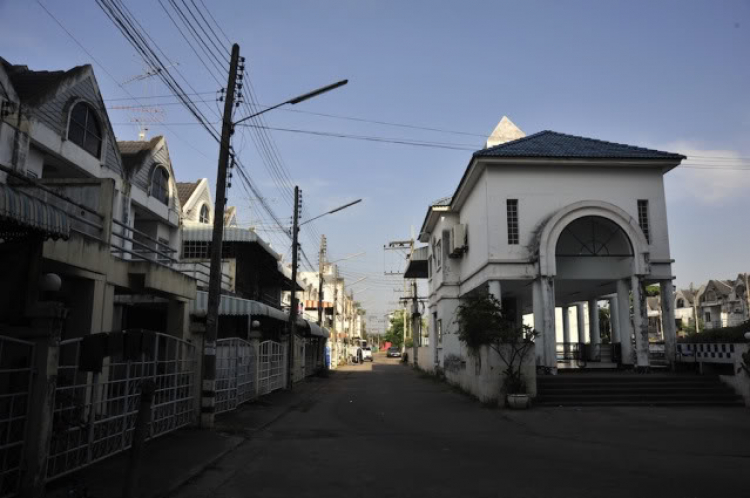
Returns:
<point x="236" y="364"/>
<point x="94" y="413"/>
<point x="271" y="367"/>
<point x="16" y="360"/>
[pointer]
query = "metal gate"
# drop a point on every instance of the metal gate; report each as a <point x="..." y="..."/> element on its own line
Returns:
<point x="236" y="373"/>
<point x="272" y="367"/>
<point x="94" y="413"/>
<point x="16" y="360"/>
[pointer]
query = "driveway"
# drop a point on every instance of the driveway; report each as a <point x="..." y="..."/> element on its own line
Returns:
<point x="384" y="430"/>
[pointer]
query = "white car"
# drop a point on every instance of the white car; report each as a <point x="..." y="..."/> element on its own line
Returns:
<point x="366" y="354"/>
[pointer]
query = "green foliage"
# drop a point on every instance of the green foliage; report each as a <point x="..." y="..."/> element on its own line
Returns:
<point x="725" y="334"/>
<point x="481" y="323"/>
<point x="395" y="332"/>
<point x="653" y="290"/>
<point x="409" y="343"/>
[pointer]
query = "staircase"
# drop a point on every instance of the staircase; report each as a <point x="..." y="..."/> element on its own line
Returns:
<point x="631" y="389"/>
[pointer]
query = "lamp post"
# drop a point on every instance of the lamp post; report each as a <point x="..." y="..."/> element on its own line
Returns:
<point x="293" y="298"/>
<point x="208" y="401"/>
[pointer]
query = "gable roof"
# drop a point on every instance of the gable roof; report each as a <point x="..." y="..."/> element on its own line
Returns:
<point x="31" y="86"/>
<point x="134" y="152"/>
<point x="560" y="145"/>
<point x="185" y="190"/>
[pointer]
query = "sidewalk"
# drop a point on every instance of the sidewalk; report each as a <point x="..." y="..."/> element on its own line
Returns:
<point x="172" y="460"/>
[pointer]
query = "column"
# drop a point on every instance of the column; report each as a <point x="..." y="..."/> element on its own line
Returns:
<point x="550" y="340"/>
<point x="614" y="319"/>
<point x="46" y="327"/>
<point x="626" y="328"/>
<point x="640" y="322"/>
<point x="538" y="307"/>
<point x="493" y="286"/>
<point x="581" y="316"/>
<point x="594" y="333"/>
<point x="566" y="331"/>
<point x="668" y="320"/>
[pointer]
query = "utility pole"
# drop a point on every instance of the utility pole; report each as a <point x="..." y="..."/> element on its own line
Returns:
<point x="293" y="301"/>
<point x="208" y="388"/>
<point x="321" y="267"/>
<point x="416" y="322"/>
<point x="335" y="304"/>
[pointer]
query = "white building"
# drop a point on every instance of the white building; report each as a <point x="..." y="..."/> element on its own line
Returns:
<point x="553" y="220"/>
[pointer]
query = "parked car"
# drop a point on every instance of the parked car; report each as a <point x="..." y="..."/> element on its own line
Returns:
<point x="394" y="352"/>
<point x="366" y="354"/>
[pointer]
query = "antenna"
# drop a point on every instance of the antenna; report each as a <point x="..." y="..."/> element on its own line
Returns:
<point x="151" y="115"/>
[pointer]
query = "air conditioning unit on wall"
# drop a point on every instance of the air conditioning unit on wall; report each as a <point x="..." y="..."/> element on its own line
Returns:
<point x="459" y="241"/>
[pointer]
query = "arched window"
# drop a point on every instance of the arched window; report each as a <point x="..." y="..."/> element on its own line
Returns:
<point x="84" y="129"/>
<point x="204" y="216"/>
<point x="160" y="185"/>
<point x="680" y="303"/>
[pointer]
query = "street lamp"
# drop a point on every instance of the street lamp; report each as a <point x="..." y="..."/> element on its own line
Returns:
<point x="214" y="283"/>
<point x="296" y="100"/>
<point x="295" y="233"/>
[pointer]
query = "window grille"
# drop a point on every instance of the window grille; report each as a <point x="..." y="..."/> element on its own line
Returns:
<point x="643" y="219"/>
<point x="512" y="211"/>
<point x="84" y="129"/>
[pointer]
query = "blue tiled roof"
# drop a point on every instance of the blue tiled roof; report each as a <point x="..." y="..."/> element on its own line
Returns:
<point x="559" y="145"/>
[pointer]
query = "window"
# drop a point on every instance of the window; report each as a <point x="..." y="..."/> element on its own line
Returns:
<point x="195" y="249"/>
<point x="708" y="316"/>
<point x="680" y="303"/>
<point x="437" y="253"/>
<point x="84" y="129"/>
<point x="160" y="185"/>
<point x="512" y="211"/>
<point x="439" y="330"/>
<point x="204" y="214"/>
<point x="643" y="219"/>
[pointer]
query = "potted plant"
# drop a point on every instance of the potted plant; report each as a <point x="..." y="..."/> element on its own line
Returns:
<point x="481" y="323"/>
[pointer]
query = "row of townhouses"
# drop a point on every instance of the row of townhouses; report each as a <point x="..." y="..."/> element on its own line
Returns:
<point x="105" y="266"/>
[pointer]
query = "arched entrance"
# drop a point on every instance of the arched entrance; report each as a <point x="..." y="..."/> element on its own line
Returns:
<point x="592" y="255"/>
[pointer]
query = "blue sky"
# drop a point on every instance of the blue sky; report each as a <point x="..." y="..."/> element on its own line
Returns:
<point x="669" y="74"/>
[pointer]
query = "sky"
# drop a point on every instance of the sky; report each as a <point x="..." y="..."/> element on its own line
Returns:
<point x="671" y="75"/>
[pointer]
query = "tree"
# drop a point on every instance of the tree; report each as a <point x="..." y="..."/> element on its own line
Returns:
<point x="395" y="332"/>
<point x="481" y="323"/>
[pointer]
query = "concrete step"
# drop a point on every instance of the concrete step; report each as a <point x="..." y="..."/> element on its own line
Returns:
<point x="628" y="389"/>
<point x="729" y="404"/>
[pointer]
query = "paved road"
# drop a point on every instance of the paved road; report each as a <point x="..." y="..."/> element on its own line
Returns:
<point x="384" y="430"/>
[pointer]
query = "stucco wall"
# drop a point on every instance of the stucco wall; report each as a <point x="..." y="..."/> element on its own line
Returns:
<point x="482" y="374"/>
<point x="543" y="190"/>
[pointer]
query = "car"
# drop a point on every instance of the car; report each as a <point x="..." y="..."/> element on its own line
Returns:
<point x="366" y="354"/>
<point x="393" y="352"/>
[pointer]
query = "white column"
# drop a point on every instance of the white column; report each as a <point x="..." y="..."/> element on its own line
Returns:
<point x="566" y="329"/>
<point x="581" y="323"/>
<point x="669" y="326"/>
<point x="550" y="339"/>
<point x="594" y="333"/>
<point x="626" y="328"/>
<point x="494" y="289"/>
<point x="614" y="319"/>
<point x="536" y="295"/>
<point x="640" y="322"/>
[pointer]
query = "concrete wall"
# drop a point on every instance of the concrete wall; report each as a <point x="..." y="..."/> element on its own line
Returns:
<point x="482" y="374"/>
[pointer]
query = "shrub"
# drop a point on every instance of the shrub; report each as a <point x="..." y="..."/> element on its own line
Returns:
<point x="724" y="334"/>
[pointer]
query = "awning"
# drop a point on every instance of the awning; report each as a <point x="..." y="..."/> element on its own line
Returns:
<point x="21" y="214"/>
<point x="317" y="331"/>
<point x="233" y="306"/>
<point x="417" y="266"/>
<point x="313" y="305"/>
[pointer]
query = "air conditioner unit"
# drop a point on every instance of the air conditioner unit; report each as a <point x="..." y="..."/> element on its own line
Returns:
<point x="458" y="241"/>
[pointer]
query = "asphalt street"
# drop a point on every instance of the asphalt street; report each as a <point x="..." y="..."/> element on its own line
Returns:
<point x="385" y="430"/>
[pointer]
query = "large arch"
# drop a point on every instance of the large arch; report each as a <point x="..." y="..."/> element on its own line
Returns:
<point x="554" y="226"/>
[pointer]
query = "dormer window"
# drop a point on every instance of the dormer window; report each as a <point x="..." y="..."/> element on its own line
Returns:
<point x="84" y="129"/>
<point x="160" y="185"/>
<point x="204" y="216"/>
